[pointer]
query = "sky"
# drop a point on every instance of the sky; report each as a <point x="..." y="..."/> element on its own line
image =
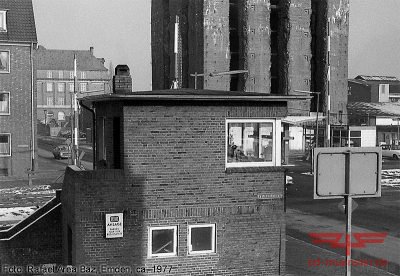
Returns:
<point x="119" y="31"/>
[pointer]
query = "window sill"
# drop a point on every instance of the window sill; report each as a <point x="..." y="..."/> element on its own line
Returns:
<point x="255" y="169"/>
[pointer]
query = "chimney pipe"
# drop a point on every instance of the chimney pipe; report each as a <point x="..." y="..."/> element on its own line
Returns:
<point x="91" y="49"/>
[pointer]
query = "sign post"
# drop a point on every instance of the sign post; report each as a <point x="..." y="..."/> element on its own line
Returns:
<point x="347" y="173"/>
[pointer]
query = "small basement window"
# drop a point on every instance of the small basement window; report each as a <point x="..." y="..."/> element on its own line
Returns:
<point x="201" y="239"/>
<point x="252" y="143"/>
<point x="162" y="241"/>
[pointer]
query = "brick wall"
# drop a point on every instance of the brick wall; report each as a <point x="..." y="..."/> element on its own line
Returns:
<point x="18" y="123"/>
<point x="174" y="175"/>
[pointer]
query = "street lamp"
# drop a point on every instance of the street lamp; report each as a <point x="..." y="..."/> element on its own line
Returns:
<point x="45" y="117"/>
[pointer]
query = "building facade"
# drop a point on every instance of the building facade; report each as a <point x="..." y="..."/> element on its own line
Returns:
<point x="17" y="87"/>
<point x="55" y="81"/>
<point x="374" y="102"/>
<point x="282" y="46"/>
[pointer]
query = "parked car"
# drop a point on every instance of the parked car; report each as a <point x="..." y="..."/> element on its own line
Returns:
<point x="67" y="134"/>
<point x="61" y="152"/>
<point x="391" y="151"/>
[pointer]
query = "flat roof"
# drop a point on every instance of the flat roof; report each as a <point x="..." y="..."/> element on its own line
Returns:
<point x="194" y="95"/>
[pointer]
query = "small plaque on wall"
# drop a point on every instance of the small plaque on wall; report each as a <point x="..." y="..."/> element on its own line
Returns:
<point x="114" y="225"/>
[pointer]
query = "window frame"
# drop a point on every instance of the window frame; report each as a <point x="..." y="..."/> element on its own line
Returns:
<point x="71" y="87"/>
<point x="49" y="84"/>
<point x="9" y="145"/>
<point x="4" y="21"/>
<point x="83" y="75"/>
<point x="83" y="85"/>
<point x="49" y="74"/>
<point x="51" y="98"/>
<point x="60" y="74"/>
<point x="62" y="85"/>
<point x="213" y="239"/>
<point x="9" y="104"/>
<point x="276" y="146"/>
<point x="149" y="242"/>
<point x="8" y="69"/>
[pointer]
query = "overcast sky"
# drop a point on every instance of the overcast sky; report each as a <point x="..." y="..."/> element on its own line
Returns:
<point x="119" y="31"/>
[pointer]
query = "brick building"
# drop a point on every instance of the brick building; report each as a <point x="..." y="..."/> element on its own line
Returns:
<point x="194" y="175"/>
<point x="282" y="44"/>
<point x="55" y="81"/>
<point x="17" y="87"/>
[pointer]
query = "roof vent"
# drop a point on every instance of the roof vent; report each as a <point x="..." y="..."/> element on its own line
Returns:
<point x="122" y="80"/>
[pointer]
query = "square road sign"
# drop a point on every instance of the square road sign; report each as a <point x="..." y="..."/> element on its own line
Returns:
<point x="347" y="171"/>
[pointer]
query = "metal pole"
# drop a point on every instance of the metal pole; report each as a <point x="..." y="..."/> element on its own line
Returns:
<point x="76" y="117"/>
<point x="348" y="202"/>
<point x="328" y="107"/>
<point x="316" y="138"/>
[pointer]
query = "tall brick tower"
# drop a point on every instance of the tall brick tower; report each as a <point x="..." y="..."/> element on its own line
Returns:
<point x="283" y="44"/>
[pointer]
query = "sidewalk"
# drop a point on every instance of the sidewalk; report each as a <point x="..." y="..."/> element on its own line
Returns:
<point x="299" y="224"/>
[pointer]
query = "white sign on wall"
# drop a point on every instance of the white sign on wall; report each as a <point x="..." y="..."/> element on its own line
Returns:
<point x="114" y="225"/>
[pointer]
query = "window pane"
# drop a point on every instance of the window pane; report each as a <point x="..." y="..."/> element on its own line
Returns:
<point x="49" y="86"/>
<point x="162" y="241"/>
<point x="4" y="144"/>
<point x="61" y="87"/>
<point x="250" y="142"/>
<point x="201" y="238"/>
<point x="4" y="103"/>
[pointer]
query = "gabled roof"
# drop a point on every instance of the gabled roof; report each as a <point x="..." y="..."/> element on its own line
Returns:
<point x="374" y="109"/>
<point x="48" y="59"/>
<point x="376" y="78"/>
<point x="20" y="21"/>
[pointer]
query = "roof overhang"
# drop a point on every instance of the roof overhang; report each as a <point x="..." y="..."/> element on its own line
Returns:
<point x="195" y="95"/>
<point x="301" y="120"/>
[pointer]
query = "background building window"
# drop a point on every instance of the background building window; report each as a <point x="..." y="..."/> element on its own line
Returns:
<point x="3" y="21"/>
<point x="61" y="87"/>
<point x="4" y="103"/>
<point x="162" y="241"/>
<point x="60" y="74"/>
<point x="355" y="138"/>
<point x="252" y="143"/>
<point x="50" y="101"/>
<point x="49" y="74"/>
<point x="83" y="87"/>
<point x="71" y="74"/>
<point x="5" y="144"/>
<point x="4" y="61"/>
<point x="83" y="75"/>
<point x="49" y="87"/>
<point x="71" y="87"/>
<point x="201" y="239"/>
<point x="61" y="101"/>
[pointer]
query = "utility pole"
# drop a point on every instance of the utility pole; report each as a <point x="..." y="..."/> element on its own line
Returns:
<point x="76" y="118"/>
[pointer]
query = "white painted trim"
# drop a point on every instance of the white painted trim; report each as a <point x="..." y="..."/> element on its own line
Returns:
<point x="149" y="242"/>
<point x="213" y="239"/>
<point x="275" y="149"/>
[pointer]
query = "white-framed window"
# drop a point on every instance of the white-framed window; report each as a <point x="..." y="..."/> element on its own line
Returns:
<point x="4" y="103"/>
<point x="83" y="86"/>
<point x="61" y="87"/>
<point x="253" y="142"/>
<point x="49" y="86"/>
<point x="71" y="74"/>
<point x="3" y="21"/>
<point x="83" y="75"/>
<point x="4" y="61"/>
<point x="71" y="87"/>
<point x="162" y="241"/>
<point x="60" y="74"/>
<point x="61" y="101"/>
<point x="50" y="101"/>
<point x="49" y="74"/>
<point x="201" y="239"/>
<point x="5" y="144"/>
